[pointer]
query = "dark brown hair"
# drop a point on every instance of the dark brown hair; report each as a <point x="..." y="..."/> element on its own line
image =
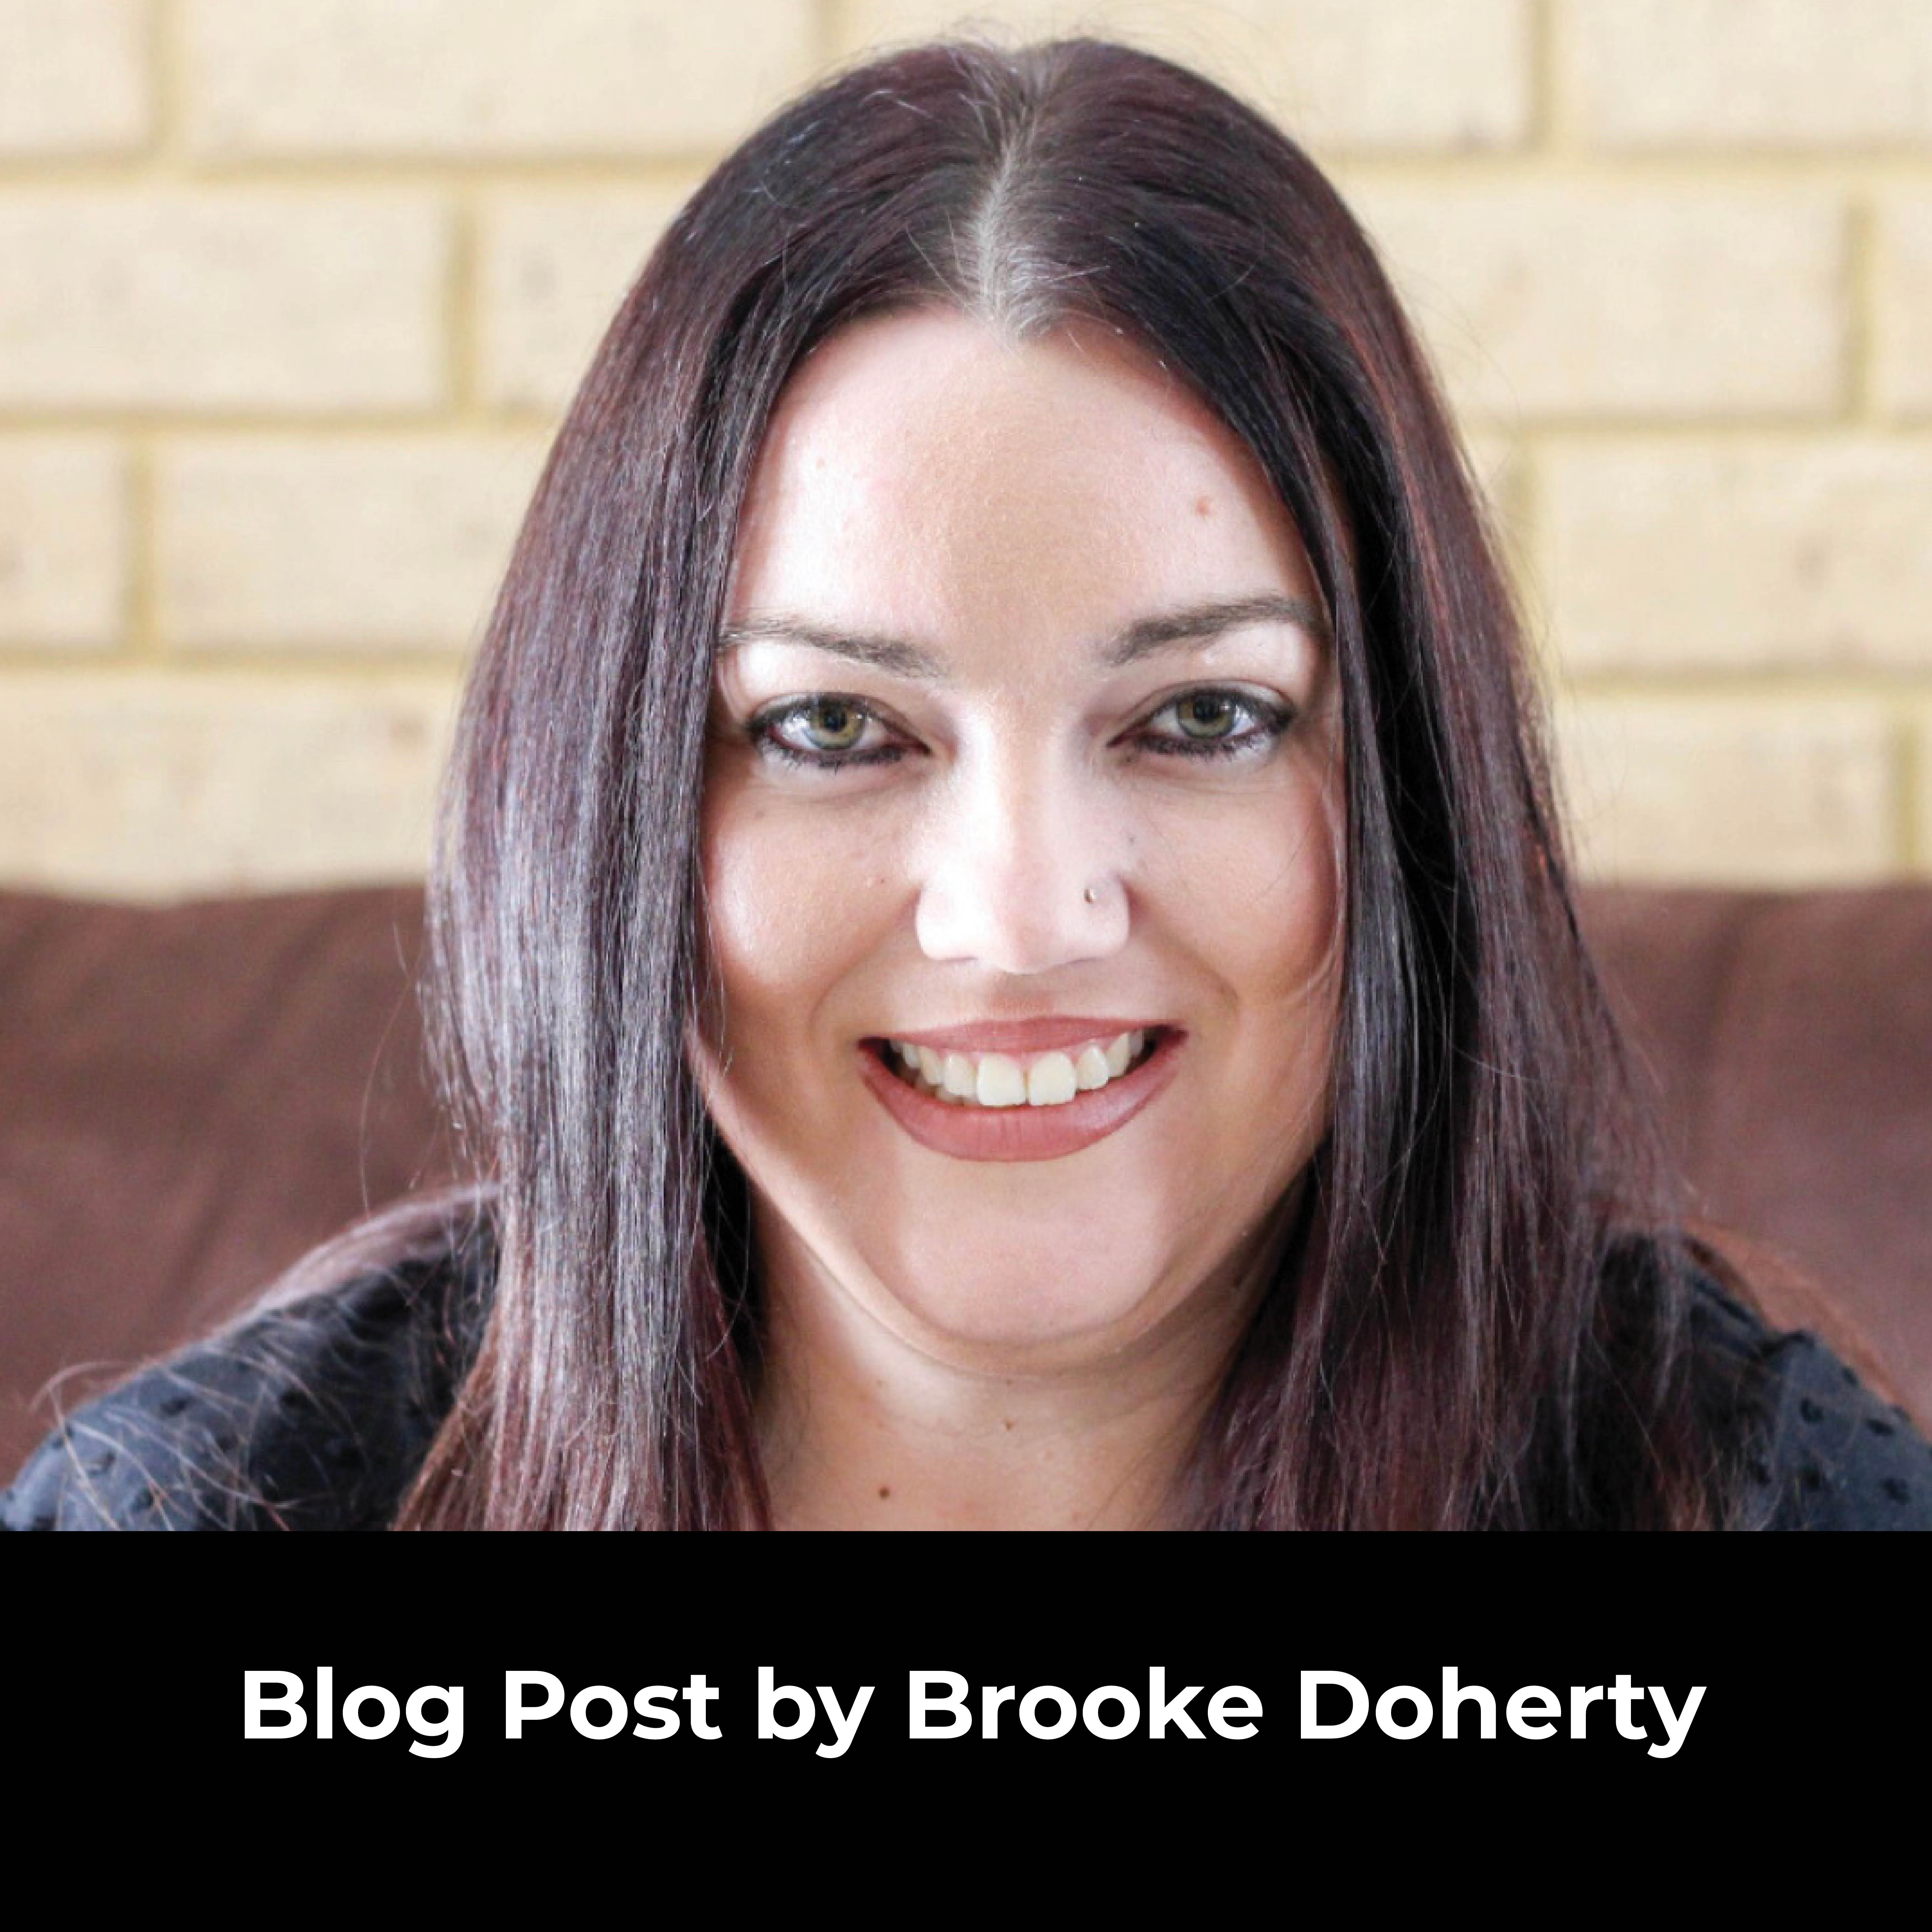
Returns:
<point x="1471" y="1326"/>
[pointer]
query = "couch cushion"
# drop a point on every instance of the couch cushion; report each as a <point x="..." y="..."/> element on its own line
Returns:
<point x="1789" y="1039"/>
<point x="194" y="1095"/>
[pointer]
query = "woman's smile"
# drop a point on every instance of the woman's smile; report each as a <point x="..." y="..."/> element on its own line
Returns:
<point x="1020" y="847"/>
<point x="968" y="1067"/>
<point x="998" y="1106"/>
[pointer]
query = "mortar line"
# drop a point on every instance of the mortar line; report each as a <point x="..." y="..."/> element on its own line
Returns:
<point x="142" y="643"/>
<point x="168" y="32"/>
<point x="1546" y="82"/>
<point x="1914" y="805"/>
<point x="462" y="323"/>
<point x="1859" y="280"/>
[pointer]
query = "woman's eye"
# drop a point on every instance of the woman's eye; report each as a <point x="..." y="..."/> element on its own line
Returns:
<point x="828" y="732"/>
<point x="1216" y="724"/>
<point x="823" y="733"/>
<point x="830" y="725"/>
<point x="1207" y="714"/>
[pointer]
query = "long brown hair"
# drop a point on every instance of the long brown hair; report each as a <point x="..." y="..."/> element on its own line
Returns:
<point x="1468" y="1329"/>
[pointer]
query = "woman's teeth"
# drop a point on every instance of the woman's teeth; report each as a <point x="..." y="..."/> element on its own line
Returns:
<point x="1000" y="1080"/>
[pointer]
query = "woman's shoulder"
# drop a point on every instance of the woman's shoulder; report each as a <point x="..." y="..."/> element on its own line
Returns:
<point x="315" y="1415"/>
<point x="1819" y="1449"/>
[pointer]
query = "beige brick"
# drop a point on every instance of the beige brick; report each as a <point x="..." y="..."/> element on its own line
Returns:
<point x="1768" y="552"/>
<point x="1922" y="773"/>
<point x="221" y="300"/>
<point x="1498" y="469"/>
<point x="151" y="786"/>
<point x="1545" y="299"/>
<point x="554" y="268"/>
<point x="1747" y="791"/>
<point x="1367" y="75"/>
<point x="373" y="544"/>
<point x="74" y="76"/>
<point x="1902" y="332"/>
<point x="517" y="77"/>
<point x="63" y="541"/>
<point x="1772" y="73"/>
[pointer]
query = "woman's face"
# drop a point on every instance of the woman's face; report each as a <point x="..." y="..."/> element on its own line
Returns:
<point x="1024" y="739"/>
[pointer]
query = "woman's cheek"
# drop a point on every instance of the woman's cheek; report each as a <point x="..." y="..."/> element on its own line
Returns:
<point x="794" y="886"/>
<point x="1252" y="881"/>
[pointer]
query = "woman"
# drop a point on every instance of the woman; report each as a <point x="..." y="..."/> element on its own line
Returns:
<point x="1001" y="941"/>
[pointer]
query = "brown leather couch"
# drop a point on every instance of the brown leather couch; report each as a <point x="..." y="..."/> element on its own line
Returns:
<point x="190" y="1096"/>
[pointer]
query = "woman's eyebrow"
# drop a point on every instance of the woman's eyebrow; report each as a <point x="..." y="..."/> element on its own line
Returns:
<point x="882" y="653"/>
<point x="1144" y="637"/>
<point x="1147" y="635"/>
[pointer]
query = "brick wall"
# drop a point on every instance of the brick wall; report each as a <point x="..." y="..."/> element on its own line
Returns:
<point x="292" y="294"/>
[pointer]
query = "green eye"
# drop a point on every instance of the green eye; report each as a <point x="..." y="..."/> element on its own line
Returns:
<point x="1214" y="723"/>
<point x="1207" y="714"/>
<point x="824" y="733"/>
<point x="831" y="724"/>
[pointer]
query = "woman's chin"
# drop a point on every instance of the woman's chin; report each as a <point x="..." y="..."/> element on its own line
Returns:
<point x="1033" y="1322"/>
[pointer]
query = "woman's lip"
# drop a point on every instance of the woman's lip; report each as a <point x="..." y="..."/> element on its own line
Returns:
<point x="1039" y="1036"/>
<point x="1026" y="1132"/>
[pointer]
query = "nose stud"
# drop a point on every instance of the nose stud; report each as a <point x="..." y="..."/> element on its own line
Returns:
<point x="1092" y="895"/>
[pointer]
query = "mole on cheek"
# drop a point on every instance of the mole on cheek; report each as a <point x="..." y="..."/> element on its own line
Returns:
<point x="1203" y="506"/>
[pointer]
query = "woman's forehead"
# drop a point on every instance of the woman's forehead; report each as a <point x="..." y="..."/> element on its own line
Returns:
<point x="924" y="474"/>
<point x="956" y="399"/>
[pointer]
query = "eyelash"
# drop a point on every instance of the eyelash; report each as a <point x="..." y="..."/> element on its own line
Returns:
<point x="1270" y="721"/>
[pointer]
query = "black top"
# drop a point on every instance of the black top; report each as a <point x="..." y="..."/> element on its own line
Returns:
<point x="319" y="1415"/>
<point x="315" y="1416"/>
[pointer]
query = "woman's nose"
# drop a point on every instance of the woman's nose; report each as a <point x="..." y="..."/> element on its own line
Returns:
<point x="1023" y="873"/>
